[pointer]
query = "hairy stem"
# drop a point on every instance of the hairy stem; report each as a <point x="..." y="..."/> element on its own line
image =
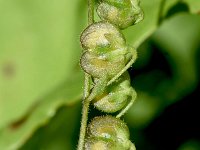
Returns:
<point x="86" y="86"/>
<point x="123" y="70"/>
<point x="83" y="125"/>
<point x="90" y="11"/>
<point x="86" y="103"/>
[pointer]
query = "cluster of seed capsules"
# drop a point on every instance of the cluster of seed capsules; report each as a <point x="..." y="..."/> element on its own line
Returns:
<point x="106" y="58"/>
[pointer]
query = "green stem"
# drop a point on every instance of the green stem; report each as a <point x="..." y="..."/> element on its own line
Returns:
<point x="123" y="70"/>
<point x="90" y="11"/>
<point x="86" y="86"/>
<point x="86" y="103"/>
<point x="83" y="124"/>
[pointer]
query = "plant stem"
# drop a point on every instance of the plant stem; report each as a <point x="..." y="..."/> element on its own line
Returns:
<point x="83" y="124"/>
<point x="90" y="11"/>
<point x="86" y="103"/>
<point x="86" y="86"/>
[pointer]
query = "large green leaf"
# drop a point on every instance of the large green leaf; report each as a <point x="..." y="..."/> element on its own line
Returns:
<point x="37" y="52"/>
<point x="16" y="134"/>
<point x="39" y="55"/>
<point x="61" y="133"/>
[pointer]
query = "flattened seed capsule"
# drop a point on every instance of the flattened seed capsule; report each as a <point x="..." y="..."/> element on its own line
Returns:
<point x="105" y="50"/>
<point x="107" y="133"/>
<point x="102" y="35"/>
<point x="116" y="96"/>
<point x="122" y="13"/>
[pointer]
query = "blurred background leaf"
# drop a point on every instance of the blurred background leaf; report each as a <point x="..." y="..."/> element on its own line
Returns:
<point x="39" y="72"/>
<point x="39" y="54"/>
<point x="179" y="77"/>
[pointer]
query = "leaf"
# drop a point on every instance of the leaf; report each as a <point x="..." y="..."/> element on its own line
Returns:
<point x="37" y="52"/>
<point x="61" y="133"/>
<point x="181" y="49"/>
<point x="14" y="136"/>
<point x="154" y="10"/>
<point x="39" y="56"/>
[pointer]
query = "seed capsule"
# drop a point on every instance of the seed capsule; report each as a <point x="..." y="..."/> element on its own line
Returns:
<point x="107" y="133"/>
<point x="116" y="96"/>
<point x="106" y="52"/>
<point x="101" y="37"/>
<point x="122" y="13"/>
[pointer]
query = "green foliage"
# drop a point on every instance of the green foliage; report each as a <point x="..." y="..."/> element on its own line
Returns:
<point x="36" y="65"/>
<point x="180" y="49"/>
<point x="39" y="55"/>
